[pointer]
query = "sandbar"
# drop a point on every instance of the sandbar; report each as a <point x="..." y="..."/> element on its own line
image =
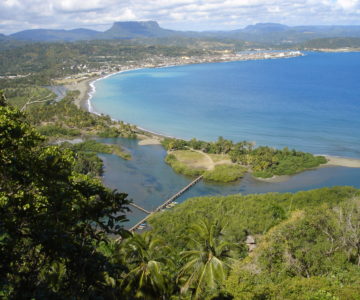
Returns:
<point x="342" y="161"/>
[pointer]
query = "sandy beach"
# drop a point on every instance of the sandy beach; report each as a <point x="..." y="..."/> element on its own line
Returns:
<point x="145" y="140"/>
<point x="342" y="161"/>
<point x="84" y="88"/>
<point x="274" y="179"/>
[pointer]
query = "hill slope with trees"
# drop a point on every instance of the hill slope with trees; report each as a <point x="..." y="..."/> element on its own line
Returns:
<point x="59" y="233"/>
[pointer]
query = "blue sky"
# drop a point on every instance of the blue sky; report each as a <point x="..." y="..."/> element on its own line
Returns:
<point x="16" y="15"/>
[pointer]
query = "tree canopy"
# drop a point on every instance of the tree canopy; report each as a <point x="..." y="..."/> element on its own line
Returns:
<point x="51" y="218"/>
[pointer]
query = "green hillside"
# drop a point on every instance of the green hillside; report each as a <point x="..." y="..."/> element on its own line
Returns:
<point x="307" y="244"/>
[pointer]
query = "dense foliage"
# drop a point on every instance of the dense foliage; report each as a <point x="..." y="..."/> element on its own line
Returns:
<point x="312" y="255"/>
<point x="55" y="130"/>
<point x="307" y="243"/>
<point x="51" y="218"/>
<point x="86" y="158"/>
<point x="21" y="94"/>
<point x="225" y="173"/>
<point x="65" y="118"/>
<point x="264" y="161"/>
<point x="97" y="147"/>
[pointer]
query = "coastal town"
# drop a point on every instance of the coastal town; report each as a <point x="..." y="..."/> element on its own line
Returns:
<point x="158" y="61"/>
<point x="81" y="81"/>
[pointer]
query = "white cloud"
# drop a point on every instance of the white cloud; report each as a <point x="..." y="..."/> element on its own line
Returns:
<point x="73" y="5"/>
<point x="17" y="15"/>
<point x="348" y="4"/>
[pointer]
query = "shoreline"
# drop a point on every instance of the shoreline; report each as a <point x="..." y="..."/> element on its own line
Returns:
<point x="86" y="99"/>
<point x="339" y="161"/>
<point x="332" y="161"/>
<point x="87" y="91"/>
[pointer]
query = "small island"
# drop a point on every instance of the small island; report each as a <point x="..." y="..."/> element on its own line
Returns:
<point x="225" y="161"/>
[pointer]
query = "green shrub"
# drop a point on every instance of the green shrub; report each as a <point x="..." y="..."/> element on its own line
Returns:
<point x="56" y="131"/>
<point x="225" y="173"/>
<point x="181" y="168"/>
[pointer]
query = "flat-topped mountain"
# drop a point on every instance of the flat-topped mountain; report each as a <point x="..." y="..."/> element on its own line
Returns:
<point x="136" y="30"/>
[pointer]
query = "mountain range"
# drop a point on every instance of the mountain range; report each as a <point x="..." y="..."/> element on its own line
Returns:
<point x="262" y="33"/>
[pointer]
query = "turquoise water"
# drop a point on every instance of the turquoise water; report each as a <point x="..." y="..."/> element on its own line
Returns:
<point x="149" y="181"/>
<point x="310" y="103"/>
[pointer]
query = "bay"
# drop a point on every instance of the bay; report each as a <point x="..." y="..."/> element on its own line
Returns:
<point x="310" y="103"/>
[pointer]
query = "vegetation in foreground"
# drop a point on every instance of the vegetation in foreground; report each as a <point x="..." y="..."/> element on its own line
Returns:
<point x="263" y="162"/>
<point x="306" y="244"/>
<point x="52" y="218"/>
<point x="54" y="242"/>
<point x="86" y="156"/>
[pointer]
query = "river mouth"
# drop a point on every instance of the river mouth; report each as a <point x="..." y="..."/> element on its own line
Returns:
<point x="149" y="181"/>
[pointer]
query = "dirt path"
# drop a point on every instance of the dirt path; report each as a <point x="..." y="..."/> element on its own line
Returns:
<point x="224" y="162"/>
<point x="210" y="165"/>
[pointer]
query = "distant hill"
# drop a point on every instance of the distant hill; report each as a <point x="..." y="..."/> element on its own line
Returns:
<point x="263" y="33"/>
<point x="53" y="35"/>
<point x="332" y="43"/>
<point x="129" y="30"/>
<point x="3" y="37"/>
<point x="265" y="27"/>
<point x="272" y="33"/>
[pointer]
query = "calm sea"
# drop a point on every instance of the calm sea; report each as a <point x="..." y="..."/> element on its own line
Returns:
<point x="310" y="103"/>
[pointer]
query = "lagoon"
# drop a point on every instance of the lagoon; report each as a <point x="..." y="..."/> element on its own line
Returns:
<point x="149" y="181"/>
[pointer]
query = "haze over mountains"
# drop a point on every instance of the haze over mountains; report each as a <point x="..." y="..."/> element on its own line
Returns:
<point x="261" y="33"/>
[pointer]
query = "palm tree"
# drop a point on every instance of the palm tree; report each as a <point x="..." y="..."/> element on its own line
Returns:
<point x="205" y="267"/>
<point x="147" y="276"/>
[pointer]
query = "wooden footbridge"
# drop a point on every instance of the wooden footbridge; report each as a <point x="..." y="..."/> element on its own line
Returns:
<point x="167" y="202"/>
<point x="140" y="208"/>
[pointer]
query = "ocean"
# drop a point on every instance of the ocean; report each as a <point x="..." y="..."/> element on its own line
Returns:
<point x="310" y="103"/>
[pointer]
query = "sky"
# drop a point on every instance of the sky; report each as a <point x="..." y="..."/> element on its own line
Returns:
<point x="198" y="15"/>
